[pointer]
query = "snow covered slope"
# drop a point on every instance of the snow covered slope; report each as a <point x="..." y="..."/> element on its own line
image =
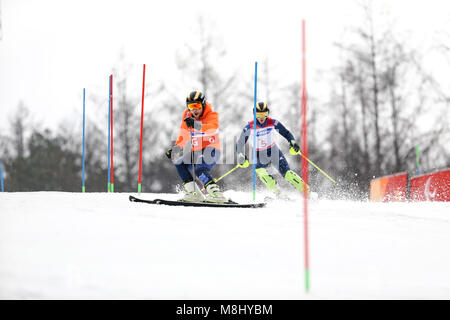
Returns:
<point x="56" y="245"/>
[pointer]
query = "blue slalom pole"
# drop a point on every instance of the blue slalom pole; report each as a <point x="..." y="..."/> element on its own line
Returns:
<point x="83" y="187"/>
<point x="254" y="133"/>
<point x="109" y="137"/>
<point x="1" y="176"/>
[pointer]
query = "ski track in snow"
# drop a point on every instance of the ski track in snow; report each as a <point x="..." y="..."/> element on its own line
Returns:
<point x="57" y="245"/>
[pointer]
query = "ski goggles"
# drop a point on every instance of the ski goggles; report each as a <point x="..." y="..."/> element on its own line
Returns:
<point x="262" y="114"/>
<point x="195" y="106"/>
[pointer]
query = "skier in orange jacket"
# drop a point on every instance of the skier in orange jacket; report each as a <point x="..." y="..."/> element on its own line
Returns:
<point x="199" y="139"/>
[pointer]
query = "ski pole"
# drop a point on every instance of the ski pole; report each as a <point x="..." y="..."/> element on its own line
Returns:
<point x="294" y="153"/>
<point x="192" y="155"/>
<point x="237" y="166"/>
<point x="216" y="180"/>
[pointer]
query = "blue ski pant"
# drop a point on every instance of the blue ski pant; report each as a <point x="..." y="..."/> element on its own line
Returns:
<point x="204" y="161"/>
<point x="272" y="156"/>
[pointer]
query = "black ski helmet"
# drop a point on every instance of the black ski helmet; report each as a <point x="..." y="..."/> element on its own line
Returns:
<point x="196" y="96"/>
<point x="262" y="107"/>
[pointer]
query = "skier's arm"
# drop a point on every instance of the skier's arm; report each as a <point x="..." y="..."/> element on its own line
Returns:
<point x="283" y="131"/>
<point x="243" y="139"/>
<point x="288" y="136"/>
<point x="184" y="135"/>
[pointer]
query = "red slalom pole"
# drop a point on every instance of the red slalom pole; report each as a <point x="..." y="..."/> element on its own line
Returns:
<point x="142" y="130"/>
<point x="304" y="135"/>
<point x="112" y="152"/>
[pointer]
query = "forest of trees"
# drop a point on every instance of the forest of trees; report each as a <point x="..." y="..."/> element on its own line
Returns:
<point x="382" y="103"/>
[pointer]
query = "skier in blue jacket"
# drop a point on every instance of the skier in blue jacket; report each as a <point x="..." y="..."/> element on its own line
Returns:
<point x="267" y="152"/>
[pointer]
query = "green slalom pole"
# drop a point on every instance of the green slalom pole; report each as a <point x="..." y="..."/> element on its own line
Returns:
<point x="417" y="159"/>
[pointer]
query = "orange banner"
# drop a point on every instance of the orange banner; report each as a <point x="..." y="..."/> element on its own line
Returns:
<point x="389" y="188"/>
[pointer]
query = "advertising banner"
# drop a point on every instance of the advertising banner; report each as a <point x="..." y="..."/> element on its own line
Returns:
<point x="389" y="188"/>
<point x="431" y="187"/>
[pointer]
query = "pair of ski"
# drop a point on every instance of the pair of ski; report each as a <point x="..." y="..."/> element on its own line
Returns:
<point x="229" y="204"/>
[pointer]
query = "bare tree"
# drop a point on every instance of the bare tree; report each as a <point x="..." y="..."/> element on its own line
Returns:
<point x="370" y="57"/>
<point x="127" y="116"/>
<point x="384" y="93"/>
<point x="19" y="126"/>
<point x="203" y="61"/>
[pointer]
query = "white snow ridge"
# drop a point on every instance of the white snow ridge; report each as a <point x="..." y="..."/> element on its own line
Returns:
<point x="57" y="245"/>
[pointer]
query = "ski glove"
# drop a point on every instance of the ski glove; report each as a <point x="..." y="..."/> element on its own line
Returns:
<point x="173" y="152"/>
<point x="169" y="153"/>
<point x="242" y="160"/>
<point x="191" y="123"/>
<point x="294" y="147"/>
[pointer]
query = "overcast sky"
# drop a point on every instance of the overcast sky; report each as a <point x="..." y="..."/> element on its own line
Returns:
<point x="51" y="50"/>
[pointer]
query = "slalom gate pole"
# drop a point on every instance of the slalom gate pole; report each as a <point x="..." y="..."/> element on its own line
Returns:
<point x="112" y="139"/>
<point x="304" y="134"/>
<point x="192" y="156"/>
<point x="417" y="159"/>
<point x="83" y="186"/>
<point x="109" y="136"/>
<point x="254" y="131"/>
<point x="142" y="130"/>
<point x="1" y="176"/>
